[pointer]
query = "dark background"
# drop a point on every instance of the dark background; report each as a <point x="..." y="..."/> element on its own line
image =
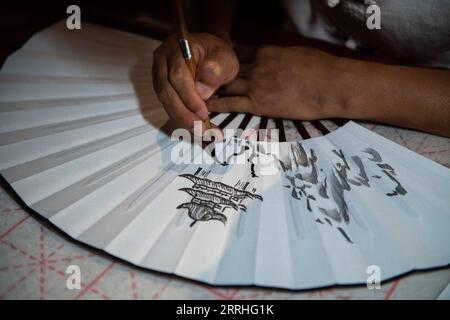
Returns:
<point x="256" y="22"/>
<point x="20" y="18"/>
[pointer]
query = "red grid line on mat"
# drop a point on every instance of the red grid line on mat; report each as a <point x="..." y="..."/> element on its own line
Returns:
<point x="21" y="251"/>
<point x="42" y="264"/>
<point x="227" y="295"/>
<point x="255" y="295"/>
<point x="215" y="292"/>
<point x="83" y="285"/>
<point x="14" y="286"/>
<point x="402" y="139"/>
<point x="96" y="279"/>
<point x="435" y="151"/>
<point x="343" y="297"/>
<point x="77" y="257"/>
<point x="425" y="138"/>
<point x="161" y="290"/>
<point x="17" y="266"/>
<point x="8" y="210"/>
<point x="134" y="285"/>
<point x="68" y="259"/>
<point x="391" y="290"/>
<point x="234" y="293"/>
<point x="51" y="254"/>
<point x="13" y="227"/>
<point x="322" y="293"/>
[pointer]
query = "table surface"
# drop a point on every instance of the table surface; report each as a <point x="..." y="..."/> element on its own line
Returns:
<point x="34" y="257"/>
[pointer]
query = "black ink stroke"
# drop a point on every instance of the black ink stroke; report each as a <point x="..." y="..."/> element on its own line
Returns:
<point x="347" y="173"/>
<point x="376" y="157"/>
<point x="210" y="198"/>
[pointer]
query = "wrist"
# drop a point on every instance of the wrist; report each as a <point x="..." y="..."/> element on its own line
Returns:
<point x="334" y="96"/>
<point x="348" y="89"/>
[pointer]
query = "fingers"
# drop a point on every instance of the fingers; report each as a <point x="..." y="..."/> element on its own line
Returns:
<point x="181" y="80"/>
<point x="182" y="97"/>
<point x="174" y="106"/>
<point x="231" y="104"/>
<point x="238" y="87"/>
<point x="177" y="111"/>
<point x="218" y="68"/>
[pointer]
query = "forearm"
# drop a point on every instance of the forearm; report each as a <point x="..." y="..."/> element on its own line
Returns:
<point x="416" y="98"/>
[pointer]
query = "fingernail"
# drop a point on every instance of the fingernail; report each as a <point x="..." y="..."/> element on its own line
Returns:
<point x="203" y="90"/>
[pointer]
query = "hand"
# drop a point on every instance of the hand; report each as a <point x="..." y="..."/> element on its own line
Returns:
<point x="182" y="97"/>
<point x="292" y="83"/>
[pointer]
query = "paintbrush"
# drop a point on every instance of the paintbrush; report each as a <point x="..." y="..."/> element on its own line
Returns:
<point x="183" y="39"/>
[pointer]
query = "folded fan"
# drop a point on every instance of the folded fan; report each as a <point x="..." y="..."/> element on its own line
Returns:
<point x="79" y="143"/>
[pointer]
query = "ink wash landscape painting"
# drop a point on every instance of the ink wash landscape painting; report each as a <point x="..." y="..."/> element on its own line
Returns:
<point x="334" y="206"/>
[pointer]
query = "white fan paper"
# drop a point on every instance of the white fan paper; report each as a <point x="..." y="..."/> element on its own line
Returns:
<point x="79" y="143"/>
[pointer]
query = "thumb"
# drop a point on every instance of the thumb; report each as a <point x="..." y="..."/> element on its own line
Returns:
<point x="216" y="70"/>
